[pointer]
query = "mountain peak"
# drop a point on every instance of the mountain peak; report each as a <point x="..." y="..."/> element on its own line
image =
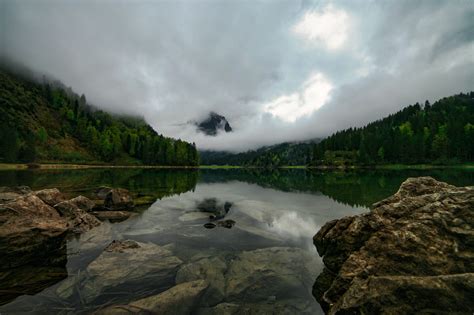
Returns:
<point x="213" y="124"/>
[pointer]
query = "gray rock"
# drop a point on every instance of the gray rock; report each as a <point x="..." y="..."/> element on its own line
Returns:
<point x="277" y="271"/>
<point x="123" y="263"/>
<point x="287" y="307"/>
<point x="256" y="276"/>
<point x="211" y="269"/>
<point x="180" y="299"/>
<point x="413" y="253"/>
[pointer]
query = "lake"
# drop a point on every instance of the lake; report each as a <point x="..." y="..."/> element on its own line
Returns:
<point x="260" y="257"/>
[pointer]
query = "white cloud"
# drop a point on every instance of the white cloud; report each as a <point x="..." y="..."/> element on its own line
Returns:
<point x="330" y="26"/>
<point x="314" y="93"/>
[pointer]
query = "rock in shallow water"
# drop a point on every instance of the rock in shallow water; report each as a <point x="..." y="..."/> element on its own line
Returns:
<point x="414" y="252"/>
<point x="123" y="264"/>
<point x="253" y="276"/>
<point x="180" y="299"/>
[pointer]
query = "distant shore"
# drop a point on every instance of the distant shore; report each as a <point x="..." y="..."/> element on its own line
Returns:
<point x="20" y="166"/>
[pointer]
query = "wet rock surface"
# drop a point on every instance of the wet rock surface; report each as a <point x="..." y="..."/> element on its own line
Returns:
<point x="75" y="210"/>
<point x="31" y="232"/>
<point x="123" y="264"/>
<point x="34" y="226"/>
<point x="180" y="299"/>
<point x="413" y="253"/>
<point x="113" y="216"/>
<point x="259" y="276"/>
<point x="118" y="199"/>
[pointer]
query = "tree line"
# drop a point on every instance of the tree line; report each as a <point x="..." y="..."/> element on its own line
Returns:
<point x="48" y="122"/>
<point x="439" y="133"/>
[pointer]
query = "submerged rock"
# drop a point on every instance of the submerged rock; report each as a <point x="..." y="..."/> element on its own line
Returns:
<point x="228" y="224"/>
<point x="180" y="299"/>
<point x="209" y="225"/>
<point x="123" y="264"/>
<point x="113" y="216"/>
<point x="256" y="276"/>
<point x="413" y="253"/>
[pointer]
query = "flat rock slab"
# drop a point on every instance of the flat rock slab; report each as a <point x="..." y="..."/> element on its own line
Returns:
<point x="180" y="299"/>
<point x="123" y="264"/>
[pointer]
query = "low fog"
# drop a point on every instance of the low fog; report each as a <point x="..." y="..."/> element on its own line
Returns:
<point x="278" y="71"/>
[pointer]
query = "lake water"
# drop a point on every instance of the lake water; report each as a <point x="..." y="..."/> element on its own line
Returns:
<point x="263" y="260"/>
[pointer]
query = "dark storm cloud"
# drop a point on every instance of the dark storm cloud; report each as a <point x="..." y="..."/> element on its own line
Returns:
<point x="263" y="65"/>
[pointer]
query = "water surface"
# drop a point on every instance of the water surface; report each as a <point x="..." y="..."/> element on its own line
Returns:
<point x="276" y="215"/>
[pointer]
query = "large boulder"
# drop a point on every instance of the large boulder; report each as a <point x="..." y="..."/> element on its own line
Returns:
<point x="413" y="253"/>
<point x="180" y="299"/>
<point x="31" y="232"/>
<point x="123" y="264"/>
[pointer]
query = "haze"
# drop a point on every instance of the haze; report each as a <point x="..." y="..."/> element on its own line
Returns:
<point x="277" y="70"/>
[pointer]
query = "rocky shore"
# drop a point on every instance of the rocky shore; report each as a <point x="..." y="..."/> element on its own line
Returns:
<point x="412" y="253"/>
<point x="34" y="226"/>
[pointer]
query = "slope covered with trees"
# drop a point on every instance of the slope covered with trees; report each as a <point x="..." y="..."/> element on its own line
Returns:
<point x="439" y="133"/>
<point x="47" y="122"/>
<point x="442" y="133"/>
<point x="284" y="154"/>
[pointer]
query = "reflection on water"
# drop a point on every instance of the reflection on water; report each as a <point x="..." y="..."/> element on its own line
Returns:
<point x="258" y="253"/>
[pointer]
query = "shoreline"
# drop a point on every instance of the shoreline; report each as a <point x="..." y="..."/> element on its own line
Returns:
<point x="24" y="166"/>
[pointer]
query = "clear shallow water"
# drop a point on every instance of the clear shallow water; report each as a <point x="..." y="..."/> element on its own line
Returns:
<point x="276" y="215"/>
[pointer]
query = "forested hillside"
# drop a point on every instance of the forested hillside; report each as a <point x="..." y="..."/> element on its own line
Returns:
<point x="439" y="133"/>
<point x="47" y="122"/>
<point x="442" y="133"/>
<point x="285" y="154"/>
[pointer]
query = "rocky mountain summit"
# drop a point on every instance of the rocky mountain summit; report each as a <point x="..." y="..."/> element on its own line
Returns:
<point x="213" y="124"/>
<point x="413" y="253"/>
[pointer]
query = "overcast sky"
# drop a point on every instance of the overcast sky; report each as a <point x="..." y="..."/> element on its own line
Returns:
<point x="278" y="70"/>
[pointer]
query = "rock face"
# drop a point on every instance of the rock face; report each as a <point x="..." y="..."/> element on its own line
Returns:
<point x="214" y="124"/>
<point x="413" y="253"/>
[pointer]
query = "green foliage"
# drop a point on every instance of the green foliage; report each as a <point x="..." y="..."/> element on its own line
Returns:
<point x="285" y="154"/>
<point x="439" y="133"/>
<point x="42" y="135"/>
<point x="70" y="130"/>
